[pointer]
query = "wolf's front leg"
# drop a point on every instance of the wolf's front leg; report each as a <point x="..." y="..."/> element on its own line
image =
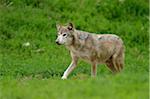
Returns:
<point x="70" y="68"/>
<point x="93" y="70"/>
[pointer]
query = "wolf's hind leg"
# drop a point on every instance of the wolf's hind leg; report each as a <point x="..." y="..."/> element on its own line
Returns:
<point x="110" y="65"/>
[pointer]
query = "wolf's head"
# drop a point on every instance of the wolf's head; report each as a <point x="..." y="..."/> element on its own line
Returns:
<point x="65" y="34"/>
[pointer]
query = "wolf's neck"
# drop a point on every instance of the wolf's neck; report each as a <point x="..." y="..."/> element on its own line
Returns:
<point x="79" y="38"/>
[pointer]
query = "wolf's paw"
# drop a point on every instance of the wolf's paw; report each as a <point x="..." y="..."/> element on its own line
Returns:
<point x="63" y="77"/>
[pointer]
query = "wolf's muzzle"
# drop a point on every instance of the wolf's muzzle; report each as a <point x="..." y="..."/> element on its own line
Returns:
<point x="58" y="43"/>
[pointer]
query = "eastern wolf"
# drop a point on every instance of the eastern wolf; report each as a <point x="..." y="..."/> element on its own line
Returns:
<point x="94" y="48"/>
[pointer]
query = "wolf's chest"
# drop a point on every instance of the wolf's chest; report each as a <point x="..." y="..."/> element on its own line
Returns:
<point x="81" y="52"/>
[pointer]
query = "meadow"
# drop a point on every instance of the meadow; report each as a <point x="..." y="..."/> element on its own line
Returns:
<point x="31" y="64"/>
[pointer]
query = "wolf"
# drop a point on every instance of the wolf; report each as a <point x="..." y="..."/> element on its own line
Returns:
<point x="94" y="48"/>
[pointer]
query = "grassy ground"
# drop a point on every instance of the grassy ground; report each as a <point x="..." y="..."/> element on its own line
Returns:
<point x="34" y="72"/>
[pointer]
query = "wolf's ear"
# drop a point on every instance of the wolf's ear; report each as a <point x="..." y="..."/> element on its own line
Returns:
<point x="70" y="26"/>
<point x="58" y="26"/>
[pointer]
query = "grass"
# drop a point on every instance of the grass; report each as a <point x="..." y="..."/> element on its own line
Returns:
<point x="91" y="89"/>
<point x="34" y="72"/>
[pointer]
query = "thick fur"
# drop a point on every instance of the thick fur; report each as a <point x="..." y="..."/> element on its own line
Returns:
<point x="94" y="48"/>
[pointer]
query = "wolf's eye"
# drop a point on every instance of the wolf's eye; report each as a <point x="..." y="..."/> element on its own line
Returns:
<point x="64" y="34"/>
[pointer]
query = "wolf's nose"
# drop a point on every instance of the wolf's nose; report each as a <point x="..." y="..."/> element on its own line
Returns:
<point x="57" y="42"/>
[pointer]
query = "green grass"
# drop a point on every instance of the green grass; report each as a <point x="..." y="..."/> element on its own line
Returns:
<point x="26" y="73"/>
<point x="106" y="87"/>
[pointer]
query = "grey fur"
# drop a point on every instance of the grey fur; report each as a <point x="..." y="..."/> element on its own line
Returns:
<point x="94" y="48"/>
